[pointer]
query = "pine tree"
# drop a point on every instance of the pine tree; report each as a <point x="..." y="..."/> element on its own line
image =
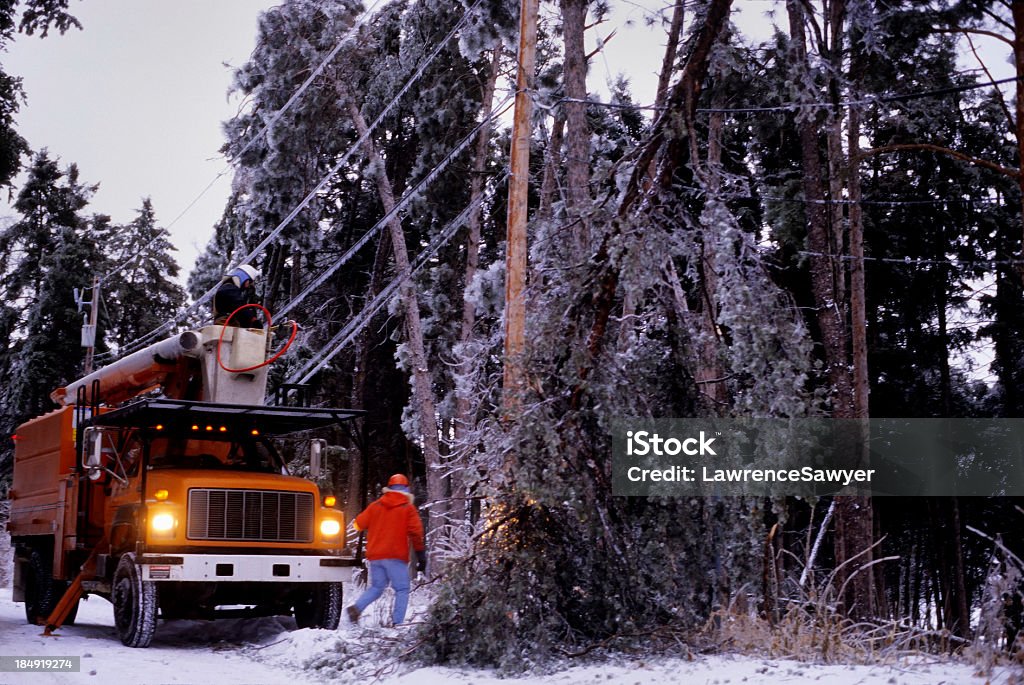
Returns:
<point x="140" y="293"/>
<point x="45" y="256"/>
<point x="37" y="16"/>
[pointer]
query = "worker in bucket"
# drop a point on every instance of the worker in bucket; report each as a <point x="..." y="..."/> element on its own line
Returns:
<point x="237" y="288"/>
<point x="392" y="525"/>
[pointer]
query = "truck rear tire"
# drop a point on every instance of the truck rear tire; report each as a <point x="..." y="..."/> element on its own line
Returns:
<point x="135" y="604"/>
<point x="320" y="607"/>
<point x="42" y="592"/>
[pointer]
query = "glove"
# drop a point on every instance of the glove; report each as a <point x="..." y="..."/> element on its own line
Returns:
<point x="421" y="563"/>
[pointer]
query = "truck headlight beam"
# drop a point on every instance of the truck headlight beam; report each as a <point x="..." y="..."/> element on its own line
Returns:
<point x="162" y="523"/>
<point x="329" y="528"/>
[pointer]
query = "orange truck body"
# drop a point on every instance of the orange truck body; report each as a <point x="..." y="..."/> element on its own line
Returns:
<point x="45" y="499"/>
<point x="184" y="507"/>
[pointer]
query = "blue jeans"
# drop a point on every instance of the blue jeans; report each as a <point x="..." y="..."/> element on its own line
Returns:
<point x="382" y="573"/>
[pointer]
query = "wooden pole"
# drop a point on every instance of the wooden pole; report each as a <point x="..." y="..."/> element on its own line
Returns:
<point x="519" y="180"/>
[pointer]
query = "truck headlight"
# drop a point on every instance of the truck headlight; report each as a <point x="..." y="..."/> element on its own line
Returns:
<point x="162" y="523"/>
<point x="329" y="528"/>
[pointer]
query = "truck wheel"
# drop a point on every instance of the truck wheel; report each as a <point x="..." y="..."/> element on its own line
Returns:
<point x="41" y="591"/>
<point x="134" y="604"/>
<point x="319" y="607"/>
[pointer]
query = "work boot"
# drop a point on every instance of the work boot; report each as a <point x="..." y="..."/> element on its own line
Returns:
<point x="353" y="613"/>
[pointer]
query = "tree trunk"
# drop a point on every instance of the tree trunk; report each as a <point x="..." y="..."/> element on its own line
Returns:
<point x="961" y="623"/>
<point x="709" y="372"/>
<point x="830" y="316"/>
<point x="865" y="592"/>
<point x="854" y="526"/>
<point x="552" y="163"/>
<point x="577" y="134"/>
<point x="295" y="282"/>
<point x="671" y="52"/>
<point x="629" y="300"/>
<point x="513" y="375"/>
<point x="423" y="394"/>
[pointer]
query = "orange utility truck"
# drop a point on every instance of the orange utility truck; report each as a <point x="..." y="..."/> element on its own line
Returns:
<point x="158" y="486"/>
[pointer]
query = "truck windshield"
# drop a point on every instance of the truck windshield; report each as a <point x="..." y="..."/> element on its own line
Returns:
<point x="242" y="455"/>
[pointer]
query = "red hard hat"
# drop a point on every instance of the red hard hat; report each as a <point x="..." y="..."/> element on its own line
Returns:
<point x="398" y="479"/>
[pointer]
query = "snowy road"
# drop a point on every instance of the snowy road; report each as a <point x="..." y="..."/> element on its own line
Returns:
<point x="267" y="651"/>
<point x="182" y="651"/>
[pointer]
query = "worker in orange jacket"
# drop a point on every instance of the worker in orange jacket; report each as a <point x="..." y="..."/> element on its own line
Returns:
<point x="392" y="524"/>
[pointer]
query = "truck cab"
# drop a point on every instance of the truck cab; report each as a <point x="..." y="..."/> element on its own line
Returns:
<point x="176" y="508"/>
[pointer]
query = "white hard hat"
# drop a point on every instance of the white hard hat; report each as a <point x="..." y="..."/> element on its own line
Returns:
<point x="246" y="272"/>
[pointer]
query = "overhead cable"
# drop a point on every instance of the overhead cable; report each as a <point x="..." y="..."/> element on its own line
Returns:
<point x="916" y="261"/>
<point x="791" y="106"/>
<point x="409" y="195"/>
<point x="348" y="333"/>
<point x="208" y="295"/>
<point x="252" y="141"/>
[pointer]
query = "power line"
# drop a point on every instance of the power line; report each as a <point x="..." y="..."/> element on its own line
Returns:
<point x="912" y="202"/>
<point x="882" y="203"/>
<point x="917" y="261"/>
<point x="206" y="297"/>
<point x="403" y="202"/>
<point x="347" y="334"/>
<point x="791" y="106"/>
<point x="252" y="141"/>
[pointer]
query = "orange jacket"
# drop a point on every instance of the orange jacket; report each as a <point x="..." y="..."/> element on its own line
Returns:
<point x="391" y="523"/>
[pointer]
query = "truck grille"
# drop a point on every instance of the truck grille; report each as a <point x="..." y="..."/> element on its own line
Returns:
<point x="257" y="515"/>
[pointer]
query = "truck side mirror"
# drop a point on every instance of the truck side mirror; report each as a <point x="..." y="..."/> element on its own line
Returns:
<point x="316" y="457"/>
<point x="93" y="440"/>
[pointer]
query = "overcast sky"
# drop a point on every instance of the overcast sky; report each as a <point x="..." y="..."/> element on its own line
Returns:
<point x="137" y="97"/>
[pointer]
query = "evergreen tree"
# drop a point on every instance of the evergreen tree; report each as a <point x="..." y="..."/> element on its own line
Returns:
<point x="141" y="292"/>
<point x="45" y="255"/>
<point x="36" y="16"/>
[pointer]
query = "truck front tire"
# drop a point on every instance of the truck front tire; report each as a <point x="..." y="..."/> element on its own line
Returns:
<point x="320" y="607"/>
<point x="135" y="604"/>
<point x="41" y="591"/>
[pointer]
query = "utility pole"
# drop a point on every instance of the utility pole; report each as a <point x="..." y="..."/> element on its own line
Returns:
<point x="519" y="181"/>
<point x="89" y="329"/>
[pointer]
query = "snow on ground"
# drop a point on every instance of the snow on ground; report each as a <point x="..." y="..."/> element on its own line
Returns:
<point x="270" y="651"/>
<point x="182" y="651"/>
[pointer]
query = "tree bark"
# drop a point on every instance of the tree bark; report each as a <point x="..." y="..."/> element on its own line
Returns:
<point x="671" y="53"/>
<point x="830" y="315"/>
<point x="577" y="134"/>
<point x="513" y="376"/>
<point x="709" y="372"/>
<point x="552" y="163"/>
<point x="864" y="591"/>
<point x="854" y="529"/>
<point x="423" y="393"/>
<point x="962" y="622"/>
